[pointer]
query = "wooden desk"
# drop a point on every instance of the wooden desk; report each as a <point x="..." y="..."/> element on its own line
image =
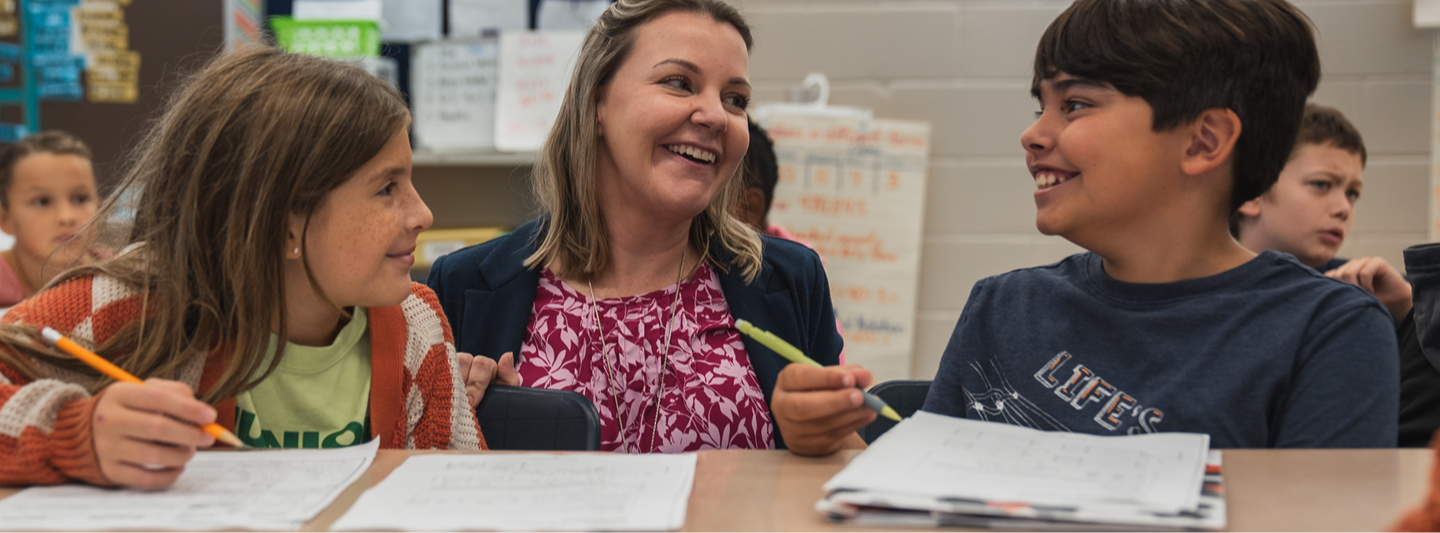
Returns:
<point x="1269" y="490"/>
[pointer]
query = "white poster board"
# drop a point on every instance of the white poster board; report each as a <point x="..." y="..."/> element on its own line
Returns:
<point x="535" y="71"/>
<point x="1435" y="144"/>
<point x="1427" y="13"/>
<point x="475" y="18"/>
<point x="453" y="89"/>
<point x="858" y="197"/>
<point x="408" y="21"/>
<point x="338" y="10"/>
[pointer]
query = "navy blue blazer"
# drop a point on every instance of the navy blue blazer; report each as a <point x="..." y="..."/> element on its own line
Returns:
<point x="488" y="296"/>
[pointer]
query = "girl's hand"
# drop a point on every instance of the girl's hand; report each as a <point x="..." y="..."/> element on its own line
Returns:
<point x="144" y="434"/>
<point x="819" y="409"/>
<point x="479" y="372"/>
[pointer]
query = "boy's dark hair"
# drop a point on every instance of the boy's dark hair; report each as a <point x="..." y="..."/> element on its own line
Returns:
<point x="761" y="171"/>
<point x="1254" y="57"/>
<point x="1326" y="125"/>
<point x="46" y="142"/>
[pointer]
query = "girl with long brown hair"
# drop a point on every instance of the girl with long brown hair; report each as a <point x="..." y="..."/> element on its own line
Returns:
<point x="266" y="229"/>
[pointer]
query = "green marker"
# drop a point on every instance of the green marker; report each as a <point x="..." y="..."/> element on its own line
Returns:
<point x="794" y="354"/>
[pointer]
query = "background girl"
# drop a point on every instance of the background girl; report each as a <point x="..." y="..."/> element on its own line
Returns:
<point x="47" y="190"/>
<point x="272" y="207"/>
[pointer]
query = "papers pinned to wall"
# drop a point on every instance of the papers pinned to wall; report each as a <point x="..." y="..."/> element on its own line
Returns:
<point x="478" y="18"/>
<point x="855" y="191"/>
<point x="1427" y="13"/>
<point x="9" y="23"/>
<point x="453" y="92"/>
<point x="555" y="15"/>
<point x="57" y="67"/>
<point x="338" y="10"/>
<point x="242" y="23"/>
<point x="412" y="20"/>
<point x="535" y="72"/>
<point x="112" y="70"/>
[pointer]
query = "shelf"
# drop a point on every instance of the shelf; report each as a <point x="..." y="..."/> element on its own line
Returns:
<point x="473" y="159"/>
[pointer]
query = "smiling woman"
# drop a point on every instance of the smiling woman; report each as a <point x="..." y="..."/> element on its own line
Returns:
<point x="627" y="288"/>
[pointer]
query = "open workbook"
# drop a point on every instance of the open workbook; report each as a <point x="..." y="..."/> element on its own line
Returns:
<point x="938" y="470"/>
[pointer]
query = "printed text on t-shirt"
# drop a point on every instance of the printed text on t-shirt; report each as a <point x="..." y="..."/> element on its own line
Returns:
<point x="1084" y="388"/>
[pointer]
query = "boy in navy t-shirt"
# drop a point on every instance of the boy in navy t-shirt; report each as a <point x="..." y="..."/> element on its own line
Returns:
<point x="1158" y="119"/>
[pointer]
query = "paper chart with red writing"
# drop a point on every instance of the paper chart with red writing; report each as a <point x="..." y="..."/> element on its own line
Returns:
<point x="857" y="195"/>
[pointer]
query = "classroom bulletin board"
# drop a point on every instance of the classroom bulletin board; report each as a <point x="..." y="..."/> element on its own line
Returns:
<point x="101" y="73"/>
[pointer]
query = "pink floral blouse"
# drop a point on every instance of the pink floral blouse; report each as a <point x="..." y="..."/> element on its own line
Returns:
<point x="712" y="399"/>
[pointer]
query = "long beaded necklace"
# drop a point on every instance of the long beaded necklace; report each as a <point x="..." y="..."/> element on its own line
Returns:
<point x="664" y="359"/>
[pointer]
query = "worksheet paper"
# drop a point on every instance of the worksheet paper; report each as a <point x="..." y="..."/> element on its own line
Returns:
<point x="527" y="491"/>
<point x="941" y="456"/>
<point x="258" y="490"/>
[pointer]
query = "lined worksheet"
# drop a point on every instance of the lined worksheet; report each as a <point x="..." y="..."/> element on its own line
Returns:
<point x="941" y="456"/>
<point x="258" y="490"/>
<point x="529" y="491"/>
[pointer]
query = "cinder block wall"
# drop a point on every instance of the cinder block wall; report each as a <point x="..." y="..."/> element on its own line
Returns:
<point x="964" y="65"/>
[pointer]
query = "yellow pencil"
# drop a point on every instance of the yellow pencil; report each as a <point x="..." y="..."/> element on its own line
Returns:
<point x="98" y="363"/>
<point x="789" y="351"/>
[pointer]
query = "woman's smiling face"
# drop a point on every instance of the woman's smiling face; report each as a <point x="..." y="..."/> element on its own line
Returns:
<point x="672" y="119"/>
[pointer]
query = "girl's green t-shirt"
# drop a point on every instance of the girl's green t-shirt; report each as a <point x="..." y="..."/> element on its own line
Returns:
<point x="318" y="397"/>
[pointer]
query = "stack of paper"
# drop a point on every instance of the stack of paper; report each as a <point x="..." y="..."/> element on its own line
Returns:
<point x="261" y="490"/>
<point x="528" y="492"/>
<point x="933" y="469"/>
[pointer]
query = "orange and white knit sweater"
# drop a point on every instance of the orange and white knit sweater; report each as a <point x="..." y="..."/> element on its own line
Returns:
<point x="417" y="399"/>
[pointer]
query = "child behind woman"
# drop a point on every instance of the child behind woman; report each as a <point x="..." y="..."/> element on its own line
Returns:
<point x="272" y="205"/>
<point x="47" y="190"/>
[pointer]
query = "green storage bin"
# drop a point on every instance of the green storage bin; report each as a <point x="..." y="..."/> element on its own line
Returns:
<point x="327" y="38"/>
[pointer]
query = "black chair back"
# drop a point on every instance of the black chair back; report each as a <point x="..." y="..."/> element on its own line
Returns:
<point x="904" y="395"/>
<point x="526" y="418"/>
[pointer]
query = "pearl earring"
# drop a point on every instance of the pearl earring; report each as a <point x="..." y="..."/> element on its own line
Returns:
<point x="297" y="251"/>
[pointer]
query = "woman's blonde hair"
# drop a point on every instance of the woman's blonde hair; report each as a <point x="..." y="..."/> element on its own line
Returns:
<point x="255" y="136"/>
<point x="573" y="241"/>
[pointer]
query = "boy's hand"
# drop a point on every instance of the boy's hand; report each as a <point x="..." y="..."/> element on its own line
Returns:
<point x="144" y="434"/>
<point x="819" y="409"/>
<point x="479" y="372"/>
<point x="1375" y="275"/>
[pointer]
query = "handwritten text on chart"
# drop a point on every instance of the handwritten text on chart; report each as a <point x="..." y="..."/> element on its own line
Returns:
<point x="849" y="135"/>
<point x="854" y="190"/>
<point x="871" y="331"/>
<point x="535" y="71"/>
<point x="861" y="293"/>
<point x="842" y="178"/>
<point x="832" y="245"/>
<point x="823" y="204"/>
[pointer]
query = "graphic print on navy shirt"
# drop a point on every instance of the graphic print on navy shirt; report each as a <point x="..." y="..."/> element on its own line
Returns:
<point x="1073" y="386"/>
<point x="1267" y="354"/>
